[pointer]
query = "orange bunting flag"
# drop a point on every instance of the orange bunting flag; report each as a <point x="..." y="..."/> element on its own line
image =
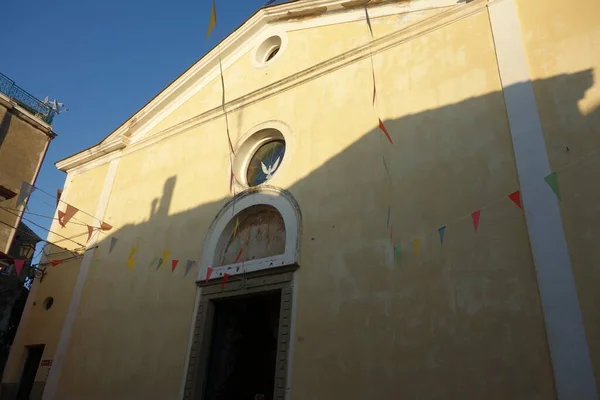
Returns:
<point x="209" y="272"/>
<point x="212" y="21"/>
<point x="174" y="265"/>
<point x="65" y="217"/>
<point x="516" y="198"/>
<point x="19" y="266"/>
<point x="105" y="227"/>
<point x="475" y="216"/>
<point x="90" y="231"/>
<point x="54" y="263"/>
<point x="416" y="246"/>
<point x="225" y="276"/>
<point x="382" y="127"/>
<point x="238" y="256"/>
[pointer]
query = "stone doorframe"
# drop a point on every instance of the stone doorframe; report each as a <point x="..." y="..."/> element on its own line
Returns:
<point x="254" y="276"/>
<point x="281" y="280"/>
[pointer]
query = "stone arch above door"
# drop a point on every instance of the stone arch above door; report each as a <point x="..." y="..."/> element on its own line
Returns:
<point x="264" y="222"/>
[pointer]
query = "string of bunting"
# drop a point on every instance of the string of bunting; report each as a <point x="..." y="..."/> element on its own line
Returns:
<point x="66" y="215"/>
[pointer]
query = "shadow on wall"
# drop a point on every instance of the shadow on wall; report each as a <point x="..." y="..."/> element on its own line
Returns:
<point x="455" y="317"/>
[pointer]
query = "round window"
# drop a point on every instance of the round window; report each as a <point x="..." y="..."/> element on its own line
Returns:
<point x="265" y="161"/>
<point x="267" y="50"/>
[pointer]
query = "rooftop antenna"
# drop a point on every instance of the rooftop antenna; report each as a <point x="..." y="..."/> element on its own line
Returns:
<point x="55" y="105"/>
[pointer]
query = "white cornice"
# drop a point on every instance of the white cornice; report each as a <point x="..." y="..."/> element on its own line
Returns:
<point x="287" y="16"/>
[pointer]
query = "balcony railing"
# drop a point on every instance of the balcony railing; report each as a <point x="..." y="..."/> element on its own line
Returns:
<point x="26" y="100"/>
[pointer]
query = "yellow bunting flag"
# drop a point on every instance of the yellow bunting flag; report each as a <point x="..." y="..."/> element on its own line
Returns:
<point x="237" y="227"/>
<point x="132" y="251"/>
<point x="131" y="263"/>
<point x="416" y="246"/>
<point x="165" y="256"/>
<point x="213" y="19"/>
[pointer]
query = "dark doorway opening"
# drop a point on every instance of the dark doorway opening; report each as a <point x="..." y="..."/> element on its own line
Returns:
<point x="243" y="348"/>
<point x="34" y="357"/>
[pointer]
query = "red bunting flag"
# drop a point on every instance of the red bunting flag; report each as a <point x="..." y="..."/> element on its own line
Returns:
<point x="475" y="216"/>
<point x="238" y="256"/>
<point x="19" y="266"/>
<point x="516" y="198"/>
<point x="382" y="127"/>
<point x="54" y="263"/>
<point x="231" y="181"/>
<point x="225" y="276"/>
<point x="65" y="217"/>
<point x="174" y="264"/>
<point x="105" y="227"/>
<point x="90" y="231"/>
<point x="209" y="272"/>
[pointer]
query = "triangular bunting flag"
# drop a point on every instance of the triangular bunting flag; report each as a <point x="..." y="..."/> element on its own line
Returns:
<point x="382" y="127"/>
<point x="188" y="266"/>
<point x="95" y="262"/>
<point x="54" y="263"/>
<point x="238" y="255"/>
<point x="165" y="255"/>
<point x="397" y="251"/>
<point x="67" y="215"/>
<point x="209" y="272"/>
<point x="368" y="20"/>
<point x="416" y="246"/>
<point x="19" y="266"/>
<point x="441" y="233"/>
<point x="552" y="181"/>
<point x="516" y="198"/>
<point x="155" y="259"/>
<point x="61" y="215"/>
<point x="132" y="251"/>
<point x="212" y="21"/>
<point x="225" y="277"/>
<point x="105" y="226"/>
<point x="26" y="190"/>
<point x="231" y="176"/>
<point x="113" y="242"/>
<point x="160" y="262"/>
<point x="90" y="231"/>
<point x="130" y="263"/>
<point x="174" y="265"/>
<point x="475" y="216"/>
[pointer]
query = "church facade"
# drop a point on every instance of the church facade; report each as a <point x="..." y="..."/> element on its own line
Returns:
<point x="375" y="199"/>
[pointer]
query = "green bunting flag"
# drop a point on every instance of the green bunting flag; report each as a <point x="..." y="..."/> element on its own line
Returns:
<point x="552" y="181"/>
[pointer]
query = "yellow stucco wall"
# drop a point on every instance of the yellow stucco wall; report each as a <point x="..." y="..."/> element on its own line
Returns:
<point x="462" y="321"/>
<point x="562" y="41"/>
<point x="43" y="326"/>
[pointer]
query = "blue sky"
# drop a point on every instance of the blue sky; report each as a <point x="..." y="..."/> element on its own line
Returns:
<point x="104" y="60"/>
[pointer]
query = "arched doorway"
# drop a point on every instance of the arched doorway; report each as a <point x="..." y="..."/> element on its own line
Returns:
<point x="240" y="345"/>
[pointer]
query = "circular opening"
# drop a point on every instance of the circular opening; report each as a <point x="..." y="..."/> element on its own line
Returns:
<point x="265" y="162"/>
<point x="268" y="50"/>
<point x="48" y="303"/>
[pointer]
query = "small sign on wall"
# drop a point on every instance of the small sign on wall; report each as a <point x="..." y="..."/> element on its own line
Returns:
<point x="46" y="363"/>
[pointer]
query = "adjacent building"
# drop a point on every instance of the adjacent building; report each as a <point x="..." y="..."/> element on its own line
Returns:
<point x="391" y="199"/>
